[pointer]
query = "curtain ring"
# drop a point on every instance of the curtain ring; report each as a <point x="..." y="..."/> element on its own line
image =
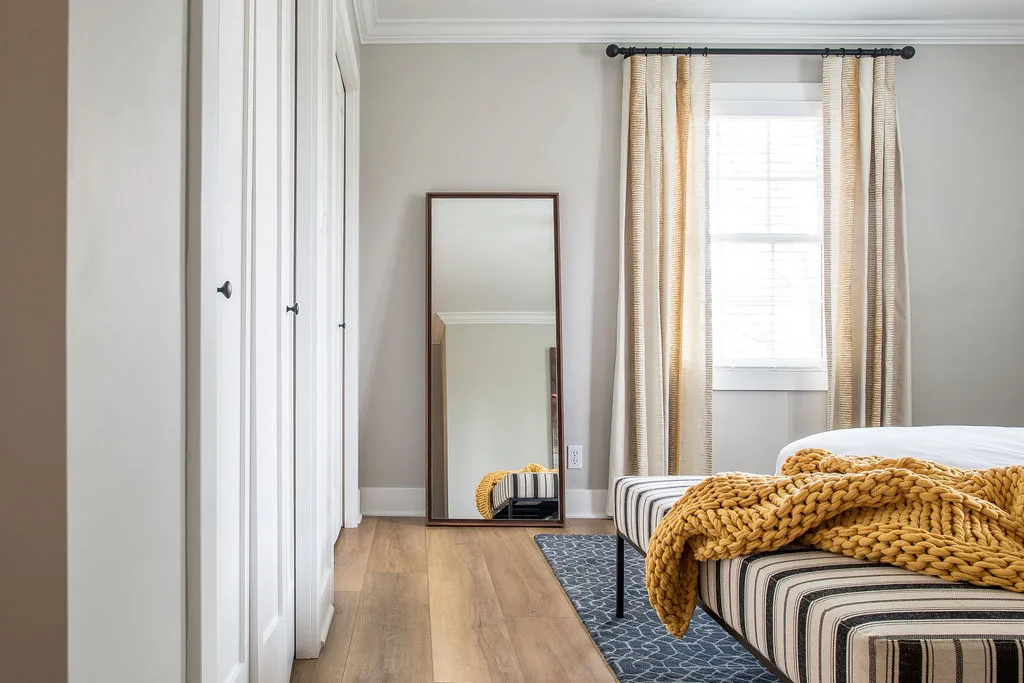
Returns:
<point x="661" y="51"/>
<point x="705" y="52"/>
<point x="860" y="52"/>
<point x="825" y="53"/>
<point x="842" y="52"/>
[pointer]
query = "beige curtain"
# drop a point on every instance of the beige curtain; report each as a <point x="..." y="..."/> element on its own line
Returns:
<point x="867" y="307"/>
<point x="661" y="419"/>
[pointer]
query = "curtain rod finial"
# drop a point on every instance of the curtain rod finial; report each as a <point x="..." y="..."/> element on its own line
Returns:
<point x="908" y="52"/>
<point x="612" y="50"/>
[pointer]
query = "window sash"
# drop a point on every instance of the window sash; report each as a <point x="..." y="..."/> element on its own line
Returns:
<point x="768" y="101"/>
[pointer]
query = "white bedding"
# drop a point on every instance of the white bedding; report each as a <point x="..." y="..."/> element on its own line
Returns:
<point x="963" y="447"/>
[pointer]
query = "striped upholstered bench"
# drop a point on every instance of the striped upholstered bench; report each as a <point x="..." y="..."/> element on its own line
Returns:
<point x="815" y="617"/>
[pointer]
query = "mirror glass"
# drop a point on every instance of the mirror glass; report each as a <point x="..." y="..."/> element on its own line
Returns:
<point x="494" y="407"/>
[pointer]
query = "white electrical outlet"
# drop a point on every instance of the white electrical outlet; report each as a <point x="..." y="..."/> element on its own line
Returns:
<point x="575" y="457"/>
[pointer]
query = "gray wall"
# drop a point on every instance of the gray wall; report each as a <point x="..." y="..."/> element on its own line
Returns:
<point x="547" y="117"/>
<point x="125" y="331"/>
<point x="963" y="145"/>
<point x="543" y="118"/>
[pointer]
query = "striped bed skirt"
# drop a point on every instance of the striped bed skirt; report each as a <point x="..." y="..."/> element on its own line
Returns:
<point x="819" y="617"/>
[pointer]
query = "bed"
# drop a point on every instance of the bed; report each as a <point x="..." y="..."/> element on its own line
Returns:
<point x="817" y="617"/>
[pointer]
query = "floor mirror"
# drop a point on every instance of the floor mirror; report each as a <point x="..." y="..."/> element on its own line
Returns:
<point x="495" y="453"/>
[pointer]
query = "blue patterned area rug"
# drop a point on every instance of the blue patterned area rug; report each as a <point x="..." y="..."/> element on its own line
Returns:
<point x="637" y="647"/>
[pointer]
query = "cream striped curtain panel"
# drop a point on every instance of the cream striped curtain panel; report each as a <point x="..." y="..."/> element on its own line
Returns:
<point x="867" y="306"/>
<point x="661" y="414"/>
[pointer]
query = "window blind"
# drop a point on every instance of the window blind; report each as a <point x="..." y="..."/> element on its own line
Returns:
<point x="766" y="228"/>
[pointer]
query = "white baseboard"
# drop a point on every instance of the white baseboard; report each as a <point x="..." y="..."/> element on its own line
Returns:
<point x="586" y="503"/>
<point x="411" y="502"/>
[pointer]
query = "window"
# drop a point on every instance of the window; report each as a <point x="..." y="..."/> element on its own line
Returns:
<point x="766" y="236"/>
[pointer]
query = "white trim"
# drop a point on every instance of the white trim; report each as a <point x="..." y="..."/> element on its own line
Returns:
<point x="897" y="33"/>
<point x="766" y="92"/>
<point x="411" y="502"/>
<point x="345" y="53"/>
<point x="770" y="379"/>
<point x="586" y="503"/>
<point x="766" y="99"/>
<point x="345" y="48"/>
<point x="394" y="502"/>
<point x="366" y="17"/>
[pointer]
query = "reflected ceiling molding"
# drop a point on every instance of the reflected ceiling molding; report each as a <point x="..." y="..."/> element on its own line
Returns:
<point x="441" y="320"/>
<point x="436" y="329"/>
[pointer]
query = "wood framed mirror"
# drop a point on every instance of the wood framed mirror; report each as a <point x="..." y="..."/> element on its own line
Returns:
<point x="495" y="442"/>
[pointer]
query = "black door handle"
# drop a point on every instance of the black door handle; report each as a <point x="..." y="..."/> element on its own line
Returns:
<point x="225" y="289"/>
<point x="341" y="325"/>
<point x="294" y="308"/>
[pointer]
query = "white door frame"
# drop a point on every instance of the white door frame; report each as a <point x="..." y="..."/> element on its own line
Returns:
<point x="345" y="53"/>
<point x="325" y="39"/>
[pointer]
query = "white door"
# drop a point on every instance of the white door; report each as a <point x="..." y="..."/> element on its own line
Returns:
<point x="337" y="329"/>
<point x="272" y="507"/>
<point x="219" y="388"/>
<point x="315" y="333"/>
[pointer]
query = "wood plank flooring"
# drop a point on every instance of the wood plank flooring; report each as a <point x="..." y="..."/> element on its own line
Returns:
<point x="452" y="605"/>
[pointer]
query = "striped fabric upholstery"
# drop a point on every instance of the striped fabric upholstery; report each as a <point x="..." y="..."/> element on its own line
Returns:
<point x="827" y="618"/>
<point x="524" y="485"/>
<point x="642" y="502"/>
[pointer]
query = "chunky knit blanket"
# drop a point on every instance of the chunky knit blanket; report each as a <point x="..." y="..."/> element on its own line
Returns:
<point x="959" y="525"/>
<point x="491" y="479"/>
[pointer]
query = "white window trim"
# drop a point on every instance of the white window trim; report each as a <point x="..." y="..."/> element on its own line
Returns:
<point x="771" y="99"/>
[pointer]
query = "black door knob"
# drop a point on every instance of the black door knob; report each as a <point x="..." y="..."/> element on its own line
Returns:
<point x="225" y="289"/>
<point x="294" y="308"/>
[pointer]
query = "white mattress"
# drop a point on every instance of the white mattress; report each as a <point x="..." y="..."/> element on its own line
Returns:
<point x="963" y="447"/>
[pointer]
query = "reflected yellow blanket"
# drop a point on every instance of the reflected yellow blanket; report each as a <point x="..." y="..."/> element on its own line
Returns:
<point x="959" y="525"/>
<point x="491" y="479"/>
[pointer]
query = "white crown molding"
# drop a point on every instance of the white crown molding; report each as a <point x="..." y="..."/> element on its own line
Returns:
<point x="366" y="18"/>
<point x="375" y="30"/>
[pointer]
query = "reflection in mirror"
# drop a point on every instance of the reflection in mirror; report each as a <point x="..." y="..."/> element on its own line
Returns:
<point x="493" y="381"/>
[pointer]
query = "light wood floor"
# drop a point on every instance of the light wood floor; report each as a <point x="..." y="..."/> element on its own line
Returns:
<point x="452" y="605"/>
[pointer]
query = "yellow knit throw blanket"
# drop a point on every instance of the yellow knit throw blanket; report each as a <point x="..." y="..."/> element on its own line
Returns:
<point x="959" y="525"/>
<point x="491" y="479"/>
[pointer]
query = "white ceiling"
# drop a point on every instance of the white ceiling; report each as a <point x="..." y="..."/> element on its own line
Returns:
<point x="712" y="22"/>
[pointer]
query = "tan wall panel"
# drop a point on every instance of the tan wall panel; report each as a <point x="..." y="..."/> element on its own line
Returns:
<point x="33" y="236"/>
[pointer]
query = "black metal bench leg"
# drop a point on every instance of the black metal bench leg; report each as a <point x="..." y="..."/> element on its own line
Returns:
<point x="620" y="576"/>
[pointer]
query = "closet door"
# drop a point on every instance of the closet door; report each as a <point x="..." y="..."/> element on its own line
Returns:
<point x="272" y="568"/>
<point x="218" y="485"/>
<point x="316" y="328"/>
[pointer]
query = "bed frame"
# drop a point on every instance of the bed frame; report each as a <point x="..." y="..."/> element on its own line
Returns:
<point x="620" y="605"/>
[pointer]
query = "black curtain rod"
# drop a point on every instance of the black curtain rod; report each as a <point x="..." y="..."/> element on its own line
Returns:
<point x="904" y="52"/>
